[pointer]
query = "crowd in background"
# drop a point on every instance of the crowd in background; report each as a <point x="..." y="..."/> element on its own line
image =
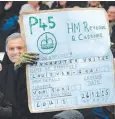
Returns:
<point x="9" y="16"/>
<point x="10" y="11"/>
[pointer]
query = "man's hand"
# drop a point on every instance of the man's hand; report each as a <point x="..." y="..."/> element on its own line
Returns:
<point x="26" y="58"/>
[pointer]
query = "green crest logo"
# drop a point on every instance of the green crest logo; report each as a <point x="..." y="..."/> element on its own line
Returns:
<point x="46" y="43"/>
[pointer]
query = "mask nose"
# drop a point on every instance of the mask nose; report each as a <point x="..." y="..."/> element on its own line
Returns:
<point x="16" y="52"/>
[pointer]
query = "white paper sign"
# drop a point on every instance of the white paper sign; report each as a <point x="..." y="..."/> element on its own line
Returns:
<point x="75" y="69"/>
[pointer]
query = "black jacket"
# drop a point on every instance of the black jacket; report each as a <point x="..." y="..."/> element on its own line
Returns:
<point x="15" y="90"/>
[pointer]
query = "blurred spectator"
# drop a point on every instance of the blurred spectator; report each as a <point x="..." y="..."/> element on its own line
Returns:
<point x="111" y="18"/>
<point x="94" y="4"/>
<point x="46" y="5"/>
<point x="64" y="4"/>
<point x="34" y="4"/>
<point x="27" y="8"/>
<point x="8" y="20"/>
<point x="42" y="5"/>
<point x="111" y="13"/>
<point x="5" y="6"/>
<point x="9" y="10"/>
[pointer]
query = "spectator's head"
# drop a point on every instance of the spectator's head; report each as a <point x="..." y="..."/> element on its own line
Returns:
<point x="14" y="47"/>
<point x="26" y="8"/>
<point x="69" y="114"/>
<point x="111" y="13"/>
<point x="94" y="4"/>
<point x="35" y="4"/>
<point x="62" y="3"/>
<point x="49" y="4"/>
<point x="31" y="6"/>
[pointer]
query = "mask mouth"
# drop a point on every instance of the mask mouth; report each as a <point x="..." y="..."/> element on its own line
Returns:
<point x="15" y="56"/>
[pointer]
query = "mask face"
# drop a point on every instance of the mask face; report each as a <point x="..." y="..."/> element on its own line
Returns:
<point x="14" y="49"/>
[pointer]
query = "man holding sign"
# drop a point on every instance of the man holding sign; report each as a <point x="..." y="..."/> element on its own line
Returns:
<point x="13" y="76"/>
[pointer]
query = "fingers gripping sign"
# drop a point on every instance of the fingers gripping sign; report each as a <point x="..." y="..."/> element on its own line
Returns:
<point x="27" y="58"/>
